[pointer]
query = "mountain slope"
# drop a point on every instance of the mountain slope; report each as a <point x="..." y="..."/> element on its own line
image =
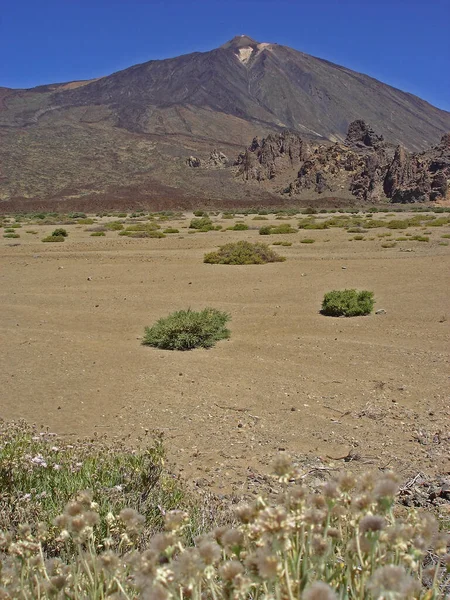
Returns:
<point x="127" y="135"/>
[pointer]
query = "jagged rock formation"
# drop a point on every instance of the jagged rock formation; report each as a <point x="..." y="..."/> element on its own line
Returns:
<point x="216" y="160"/>
<point x="267" y="158"/>
<point x="365" y="166"/>
<point x="419" y="177"/>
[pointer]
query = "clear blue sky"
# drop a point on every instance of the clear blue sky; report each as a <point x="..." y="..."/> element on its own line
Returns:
<point x="405" y="43"/>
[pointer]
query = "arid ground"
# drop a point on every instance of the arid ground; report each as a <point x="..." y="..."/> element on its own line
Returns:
<point x="372" y="388"/>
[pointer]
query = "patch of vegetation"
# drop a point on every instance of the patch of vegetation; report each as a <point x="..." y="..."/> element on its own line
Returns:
<point x="203" y="224"/>
<point x="171" y="230"/>
<point x="278" y="229"/>
<point x="243" y="253"/>
<point x="446" y="236"/>
<point x="307" y="241"/>
<point x="54" y="238"/>
<point x="60" y="232"/>
<point x="283" y="243"/>
<point x="200" y="213"/>
<point x="347" y="303"/>
<point x="41" y="473"/>
<point x="238" y="227"/>
<point x="420" y="238"/>
<point x="87" y="221"/>
<point x="11" y="235"/>
<point x="31" y="231"/>
<point x="358" y="238"/>
<point x="259" y="218"/>
<point x="114" y="226"/>
<point x="98" y="234"/>
<point x="188" y="329"/>
<point x="388" y="245"/>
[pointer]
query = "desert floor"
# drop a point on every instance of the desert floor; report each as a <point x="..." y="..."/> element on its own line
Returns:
<point x="288" y="379"/>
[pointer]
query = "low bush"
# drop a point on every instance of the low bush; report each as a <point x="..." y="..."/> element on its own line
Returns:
<point x="98" y="234"/>
<point x="188" y="329"/>
<point x="171" y="230"/>
<point x="200" y="213"/>
<point x="307" y="241"/>
<point x="278" y="229"/>
<point x="243" y="253"/>
<point x="347" y="303"/>
<point x="238" y="227"/>
<point x="389" y="245"/>
<point x="54" y="238"/>
<point x="200" y="223"/>
<point x="60" y="232"/>
<point x="11" y="235"/>
<point x="282" y="243"/>
<point x="114" y="226"/>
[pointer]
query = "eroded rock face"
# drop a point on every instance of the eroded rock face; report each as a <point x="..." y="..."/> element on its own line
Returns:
<point x="365" y="166"/>
<point x="216" y="159"/>
<point x="267" y="158"/>
<point x="360" y="135"/>
<point x="419" y="177"/>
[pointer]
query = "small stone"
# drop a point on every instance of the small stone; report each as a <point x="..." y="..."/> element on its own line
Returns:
<point x="380" y="311"/>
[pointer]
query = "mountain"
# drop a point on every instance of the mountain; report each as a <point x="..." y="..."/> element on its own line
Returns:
<point x="126" y="138"/>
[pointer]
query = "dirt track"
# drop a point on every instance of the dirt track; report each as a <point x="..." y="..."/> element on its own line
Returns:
<point x="288" y="379"/>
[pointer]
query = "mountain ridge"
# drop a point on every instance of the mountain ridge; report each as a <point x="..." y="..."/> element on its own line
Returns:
<point x="139" y="125"/>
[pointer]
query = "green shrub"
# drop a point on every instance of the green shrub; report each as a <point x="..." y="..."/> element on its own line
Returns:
<point x="398" y="224"/>
<point x="98" y="234"/>
<point x="358" y="238"/>
<point x="171" y="230"/>
<point x="420" y="238"/>
<point x="307" y="241"/>
<point x="282" y="243"/>
<point x="9" y="230"/>
<point x="60" y="232"/>
<point x="86" y="221"/>
<point x="388" y="245"/>
<point x="278" y="229"/>
<point x="202" y="224"/>
<point x="243" y="253"/>
<point x="259" y="218"/>
<point x="200" y="213"/>
<point x="114" y="226"/>
<point x="11" y="235"/>
<point x="347" y="303"/>
<point x="238" y="227"/>
<point x="188" y="329"/>
<point x="54" y="238"/>
<point x="446" y="236"/>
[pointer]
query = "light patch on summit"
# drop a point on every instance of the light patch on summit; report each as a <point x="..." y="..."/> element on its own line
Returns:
<point x="244" y="54"/>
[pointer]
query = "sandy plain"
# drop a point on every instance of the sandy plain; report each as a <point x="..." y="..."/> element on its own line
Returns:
<point x="374" y="389"/>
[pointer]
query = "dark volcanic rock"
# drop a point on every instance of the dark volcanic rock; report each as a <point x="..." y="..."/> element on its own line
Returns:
<point x="359" y="135"/>
<point x="365" y="166"/>
<point x="269" y="157"/>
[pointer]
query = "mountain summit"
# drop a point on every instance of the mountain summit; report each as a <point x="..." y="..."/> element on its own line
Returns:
<point x="137" y="125"/>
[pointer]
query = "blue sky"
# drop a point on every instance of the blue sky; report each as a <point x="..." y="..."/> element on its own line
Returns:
<point x="405" y="43"/>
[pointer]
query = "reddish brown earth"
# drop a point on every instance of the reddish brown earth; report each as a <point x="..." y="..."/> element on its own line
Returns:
<point x="289" y="379"/>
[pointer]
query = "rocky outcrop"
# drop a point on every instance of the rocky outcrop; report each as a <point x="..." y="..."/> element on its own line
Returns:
<point x="364" y="166"/>
<point x="265" y="159"/>
<point x="360" y="135"/>
<point x="419" y="177"/>
<point x="216" y="160"/>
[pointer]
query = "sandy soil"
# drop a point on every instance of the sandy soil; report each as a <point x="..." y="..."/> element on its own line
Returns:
<point x="289" y="379"/>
